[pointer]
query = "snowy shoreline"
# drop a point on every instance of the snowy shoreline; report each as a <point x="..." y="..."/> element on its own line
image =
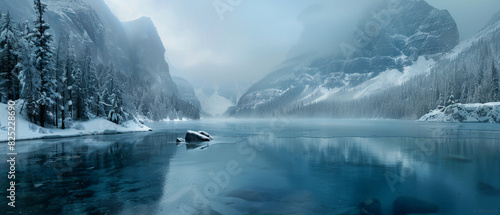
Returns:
<point x="26" y="130"/>
<point x="479" y="113"/>
<point x="68" y="136"/>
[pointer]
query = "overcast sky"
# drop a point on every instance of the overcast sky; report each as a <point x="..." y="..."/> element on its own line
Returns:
<point x="246" y="39"/>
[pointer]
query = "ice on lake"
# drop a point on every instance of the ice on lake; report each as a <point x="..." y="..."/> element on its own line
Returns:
<point x="278" y="166"/>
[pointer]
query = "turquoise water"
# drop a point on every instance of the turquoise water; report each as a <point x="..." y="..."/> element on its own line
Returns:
<point x="274" y="166"/>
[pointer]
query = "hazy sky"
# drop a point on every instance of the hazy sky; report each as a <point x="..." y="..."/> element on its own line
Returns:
<point x="470" y="15"/>
<point x="245" y="39"/>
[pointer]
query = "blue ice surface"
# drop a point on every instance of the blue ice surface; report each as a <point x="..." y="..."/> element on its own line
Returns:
<point x="263" y="166"/>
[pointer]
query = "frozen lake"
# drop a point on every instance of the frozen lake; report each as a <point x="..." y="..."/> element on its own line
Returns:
<point x="275" y="166"/>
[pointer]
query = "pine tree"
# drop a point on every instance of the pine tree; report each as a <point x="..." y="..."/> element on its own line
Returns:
<point x="9" y="57"/>
<point x="79" y="94"/>
<point x="115" y="90"/>
<point x="86" y="87"/>
<point x="89" y="83"/>
<point x="101" y="90"/>
<point x="70" y="84"/>
<point x="28" y="76"/>
<point x="116" y="113"/>
<point x="43" y="55"/>
<point x="59" y="71"/>
<point x="64" y="72"/>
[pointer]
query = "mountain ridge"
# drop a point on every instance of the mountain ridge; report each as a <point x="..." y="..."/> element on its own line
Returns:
<point x="468" y="74"/>
<point x="400" y="34"/>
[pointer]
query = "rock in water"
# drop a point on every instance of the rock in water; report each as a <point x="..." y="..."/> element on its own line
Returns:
<point x="204" y="133"/>
<point x="193" y="136"/>
<point x="370" y="207"/>
<point x="409" y="205"/>
<point x="180" y="140"/>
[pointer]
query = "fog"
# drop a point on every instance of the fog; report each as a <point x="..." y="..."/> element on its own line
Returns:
<point x="470" y="15"/>
<point x="242" y="41"/>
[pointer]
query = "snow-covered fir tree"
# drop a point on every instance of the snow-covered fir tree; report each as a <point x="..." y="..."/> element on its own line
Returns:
<point x="64" y="69"/>
<point x="9" y="57"/>
<point x="114" y="97"/>
<point x="101" y="90"/>
<point x="43" y="56"/>
<point x="89" y="83"/>
<point x="28" y="76"/>
<point x="78" y="99"/>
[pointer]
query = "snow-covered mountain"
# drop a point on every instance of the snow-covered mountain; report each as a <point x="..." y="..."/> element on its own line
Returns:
<point x="134" y="49"/>
<point x="217" y="99"/>
<point x="213" y="104"/>
<point x="392" y="45"/>
<point x="468" y="74"/>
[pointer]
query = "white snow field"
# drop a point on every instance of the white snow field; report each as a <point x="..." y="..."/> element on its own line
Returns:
<point x="25" y="130"/>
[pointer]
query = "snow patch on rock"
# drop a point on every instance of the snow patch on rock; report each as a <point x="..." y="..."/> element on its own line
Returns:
<point x="193" y="136"/>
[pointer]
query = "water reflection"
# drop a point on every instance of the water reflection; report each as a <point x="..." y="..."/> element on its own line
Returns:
<point x="95" y="175"/>
<point x="323" y="170"/>
<point x="255" y="167"/>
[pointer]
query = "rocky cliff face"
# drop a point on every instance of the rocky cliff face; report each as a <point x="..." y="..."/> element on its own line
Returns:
<point x="147" y="55"/>
<point x="392" y="38"/>
<point x="186" y="91"/>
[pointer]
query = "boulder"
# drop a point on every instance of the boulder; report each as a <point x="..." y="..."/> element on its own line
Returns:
<point x="204" y="133"/>
<point x="193" y="137"/>
<point x="179" y="140"/>
<point x="408" y="205"/>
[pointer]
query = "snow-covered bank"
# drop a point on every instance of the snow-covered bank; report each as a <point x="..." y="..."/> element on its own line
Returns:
<point x="486" y="113"/>
<point x="26" y="130"/>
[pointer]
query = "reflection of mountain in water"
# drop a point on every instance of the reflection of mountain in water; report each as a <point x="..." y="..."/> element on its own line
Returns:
<point x="349" y="170"/>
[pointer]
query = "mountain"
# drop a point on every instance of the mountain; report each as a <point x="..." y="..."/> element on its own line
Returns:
<point x="217" y="99"/>
<point x="186" y="91"/>
<point x="134" y="49"/>
<point x="384" y="46"/>
<point x="468" y="74"/>
<point x="213" y="103"/>
<point x="147" y="55"/>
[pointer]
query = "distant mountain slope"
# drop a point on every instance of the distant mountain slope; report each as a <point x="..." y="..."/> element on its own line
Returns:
<point x="186" y="91"/>
<point x="389" y="41"/>
<point x="213" y="104"/>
